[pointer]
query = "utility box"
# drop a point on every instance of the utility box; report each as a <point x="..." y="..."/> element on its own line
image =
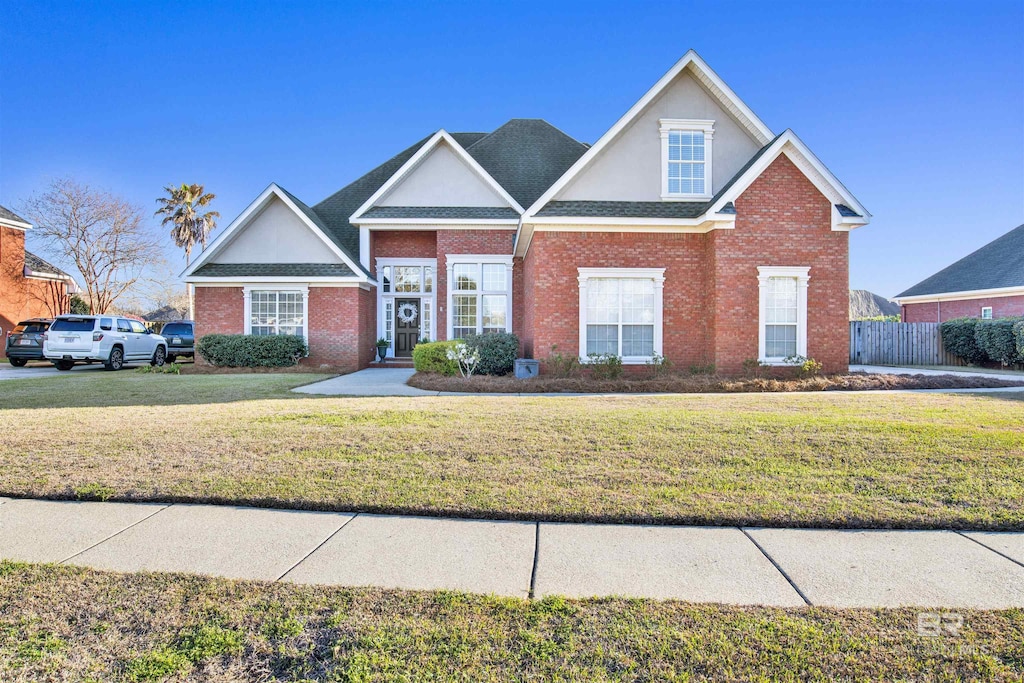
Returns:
<point x="526" y="368"/>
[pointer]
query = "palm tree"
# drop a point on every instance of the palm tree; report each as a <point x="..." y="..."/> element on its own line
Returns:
<point x="180" y="208"/>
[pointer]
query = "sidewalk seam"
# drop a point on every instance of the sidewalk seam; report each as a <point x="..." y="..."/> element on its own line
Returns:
<point x="116" y="533"/>
<point x="988" y="547"/>
<point x="777" y="566"/>
<point x="320" y="545"/>
<point x="536" y="558"/>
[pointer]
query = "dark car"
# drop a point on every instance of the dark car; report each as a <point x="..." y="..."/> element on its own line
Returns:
<point x="181" y="339"/>
<point x="25" y="342"/>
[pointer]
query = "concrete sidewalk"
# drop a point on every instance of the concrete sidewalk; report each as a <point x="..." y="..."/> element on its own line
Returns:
<point x="784" y="567"/>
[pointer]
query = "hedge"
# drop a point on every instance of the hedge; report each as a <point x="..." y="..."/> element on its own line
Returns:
<point x="1018" y="335"/>
<point x="996" y="340"/>
<point x="250" y="351"/>
<point x="958" y="338"/>
<point x="433" y="357"/>
<point x="498" y="352"/>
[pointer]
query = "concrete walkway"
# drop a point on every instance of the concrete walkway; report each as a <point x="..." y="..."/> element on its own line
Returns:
<point x="748" y="566"/>
<point x="888" y="370"/>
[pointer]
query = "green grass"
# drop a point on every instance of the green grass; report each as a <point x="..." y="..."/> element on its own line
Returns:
<point x="821" y="459"/>
<point x="150" y="627"/>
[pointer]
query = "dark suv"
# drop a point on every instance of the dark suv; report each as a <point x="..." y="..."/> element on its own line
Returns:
<point x="25" y="342"/>
<point x="181" y="339"/>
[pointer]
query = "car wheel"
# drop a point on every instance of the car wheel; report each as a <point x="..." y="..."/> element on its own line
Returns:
<point x="159" y="356"/>
<point x="171" y="358"/>
<point x="64" y="364"/>
<point x="116" y="360"/>
<point x="18" y="362"/>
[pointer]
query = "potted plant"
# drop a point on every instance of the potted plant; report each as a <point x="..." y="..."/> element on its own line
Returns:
<point x="382" y="349"/>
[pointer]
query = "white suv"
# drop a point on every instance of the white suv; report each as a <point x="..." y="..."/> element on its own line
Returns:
<point x="110" y="340"/>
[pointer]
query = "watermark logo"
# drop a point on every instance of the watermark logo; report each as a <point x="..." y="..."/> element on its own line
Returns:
<point x="936" y="624"/>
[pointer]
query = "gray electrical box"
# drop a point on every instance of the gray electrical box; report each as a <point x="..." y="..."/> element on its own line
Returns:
<point x="526" y="368"/>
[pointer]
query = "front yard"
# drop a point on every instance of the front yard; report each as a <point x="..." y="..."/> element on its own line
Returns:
<point x="822" y="459"/>
<point x="81" y="625"/>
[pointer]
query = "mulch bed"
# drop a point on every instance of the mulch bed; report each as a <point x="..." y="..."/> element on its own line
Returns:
<point x="688" y="384"/>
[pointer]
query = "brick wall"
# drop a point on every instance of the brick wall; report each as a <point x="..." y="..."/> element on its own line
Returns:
<point x="401" y="244"/>
<point x="937" y="312"/>
<point x="21" y="297"/>
<point x="484" y="242"/>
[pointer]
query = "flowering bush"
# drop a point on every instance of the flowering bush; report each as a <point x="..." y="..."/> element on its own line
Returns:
<point x="466" y="358"/>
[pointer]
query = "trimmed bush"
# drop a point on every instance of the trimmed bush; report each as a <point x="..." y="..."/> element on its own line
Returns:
<point x="252" y="351"/>
<point x="1018" y="337"/>
<point x="995" y="339"/>
<point x="433" y="357"/>
<point x="498" y="352"/>
<point x="958" y="338"/>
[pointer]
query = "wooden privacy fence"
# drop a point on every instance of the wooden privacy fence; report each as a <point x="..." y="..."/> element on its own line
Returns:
<point x="878" y="343"/>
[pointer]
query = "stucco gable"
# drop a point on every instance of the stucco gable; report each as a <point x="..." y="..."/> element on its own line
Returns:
<point x="276" y="235"/>
<point x="442" y="178"/>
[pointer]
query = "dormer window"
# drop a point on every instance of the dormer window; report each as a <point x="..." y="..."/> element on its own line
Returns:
<point x="686" y="158"/>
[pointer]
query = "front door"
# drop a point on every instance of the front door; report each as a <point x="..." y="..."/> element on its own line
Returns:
<point x="407" y="326"/>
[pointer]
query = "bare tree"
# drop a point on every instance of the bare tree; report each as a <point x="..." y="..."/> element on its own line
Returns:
<point x="103" y="235"/>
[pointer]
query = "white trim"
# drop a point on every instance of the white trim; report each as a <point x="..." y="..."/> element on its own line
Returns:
<point x="477" y="260"/>
<point x="275" y="287"/>
<point x="435" y="140"/>
<point x="986" y="308"/>
<point x="228" y="281"/>
<point x="15" y="225"/>
<point x="706" y="126"/>
<point x="757" y="129"/>
<point x="426" y="298"/>
<point x="435" y="223"/>
<point x="273" y="190"/>
<point x="802" y="275"/>
<point x="995" y="293"/>
<point x="364" y="247"/>
<point x="584" y="275"/>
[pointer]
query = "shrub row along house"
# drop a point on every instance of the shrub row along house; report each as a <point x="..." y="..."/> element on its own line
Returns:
<point x="689" y="230"/>
<point x="29" y="286"/>
<point x="986" y="284"/>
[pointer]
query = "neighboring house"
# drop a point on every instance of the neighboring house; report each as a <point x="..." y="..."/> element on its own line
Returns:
<point x="865" y="304"/>
<point x="165" y="314"/>
<point x="689" y="230"/>
<point x="988" y="283"/>
<point x="29" y="286"/>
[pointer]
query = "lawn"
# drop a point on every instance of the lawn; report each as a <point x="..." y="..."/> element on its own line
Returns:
<point x="81" y="625"/>
<point x="822" y="459"/>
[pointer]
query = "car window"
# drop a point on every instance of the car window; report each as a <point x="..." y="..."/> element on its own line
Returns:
<point x="137" y="327"/>
<point x="106" y="323"/>
<point x="72" y="325"/>
<point x="176" y="328"/>
<point x="123" y="325"/>
<point x="30" y="328"/>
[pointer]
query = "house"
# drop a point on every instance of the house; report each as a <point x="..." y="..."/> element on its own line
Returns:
<point x="29" y="286"/>
<point x="988" y="283"/>
<point x="689" y="231"/>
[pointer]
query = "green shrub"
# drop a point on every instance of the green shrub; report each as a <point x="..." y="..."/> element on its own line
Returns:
<point x="604" y="365"/>
<point x="805" y="367"/>
<point x="658" y="365"/>
<point x="1018" y="337"/>
<point x="703" y="369"/>
<point x="498" y="352"/>
<point x="958" y="339"/>
<point x="433" y="357"/>
<point x="560" y="364"/>
<point x="995" y="339"/>
<point x="250" y="350"/>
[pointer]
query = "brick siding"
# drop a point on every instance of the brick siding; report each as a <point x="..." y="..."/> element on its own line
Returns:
<point x="937" y="312"/>
<point x="21" y="297"/>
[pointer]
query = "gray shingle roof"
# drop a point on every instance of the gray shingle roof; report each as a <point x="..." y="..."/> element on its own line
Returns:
<point x="33" y="262"/>
<point x="7" y="214"/>
<point x="274" y="270"/>
<point x="1000" y="263"/>
<point x="846" y="211"/>
<point x="526" y="156"/>
<point x="592" y="209"/>
<point x="334" y="235"/>
<point x="441" y="212"/>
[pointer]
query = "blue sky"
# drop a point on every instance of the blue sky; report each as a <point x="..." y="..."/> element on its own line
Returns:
<point x="918" y="107"/>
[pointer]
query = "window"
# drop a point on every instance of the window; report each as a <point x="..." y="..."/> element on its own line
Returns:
<point x="137" y="327"/>
<point x="273" y="312"/>
<point x="480" y="295"/>
<point x="686" y="158"/>
<point x="123" y="325"/>
<point x="783" y="313"/>
<point x="986" y="312"/>
<point x="621" y="312"/>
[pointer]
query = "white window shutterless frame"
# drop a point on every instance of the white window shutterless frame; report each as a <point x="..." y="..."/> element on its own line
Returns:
<point x="782" y="312"/>
<point x="686" y="158"/>
<point x="479" y="294"/>
<point x="621" y="313"/>
<point x="411" y="278"/>
<point x="276" y="309"/>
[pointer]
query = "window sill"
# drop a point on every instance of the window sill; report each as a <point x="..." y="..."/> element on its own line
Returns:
<point x="687" y="197"/>
<point x="633" y="360"/>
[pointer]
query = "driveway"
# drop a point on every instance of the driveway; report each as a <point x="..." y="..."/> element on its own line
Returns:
<point x="37" y="369"/>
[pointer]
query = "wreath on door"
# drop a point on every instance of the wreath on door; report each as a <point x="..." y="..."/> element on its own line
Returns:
<point x="407" y="313"/>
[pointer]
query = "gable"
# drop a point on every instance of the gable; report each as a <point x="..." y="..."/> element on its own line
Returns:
<point x="629" y="167"/>
<point x="276" y="235"/>
<point x="442" y="178"/>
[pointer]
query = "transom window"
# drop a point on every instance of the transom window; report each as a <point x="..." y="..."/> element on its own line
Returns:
<point x="480" y="294"/>
<point x="407" y="279"/>
<point x="621" y="312"/>
<point x="686" y="158"/>
<point x="783" y="312"/>
<point x="273" y="312"/>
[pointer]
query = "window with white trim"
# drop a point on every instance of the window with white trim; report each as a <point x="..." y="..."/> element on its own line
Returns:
<point x="686" y="158"/>
<point x="273" y="312"/>
<point x="621" y="312"/>
<point x="480" y="295"/>
<point x="783" y="312"/>
<point x="986" y="312"/>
